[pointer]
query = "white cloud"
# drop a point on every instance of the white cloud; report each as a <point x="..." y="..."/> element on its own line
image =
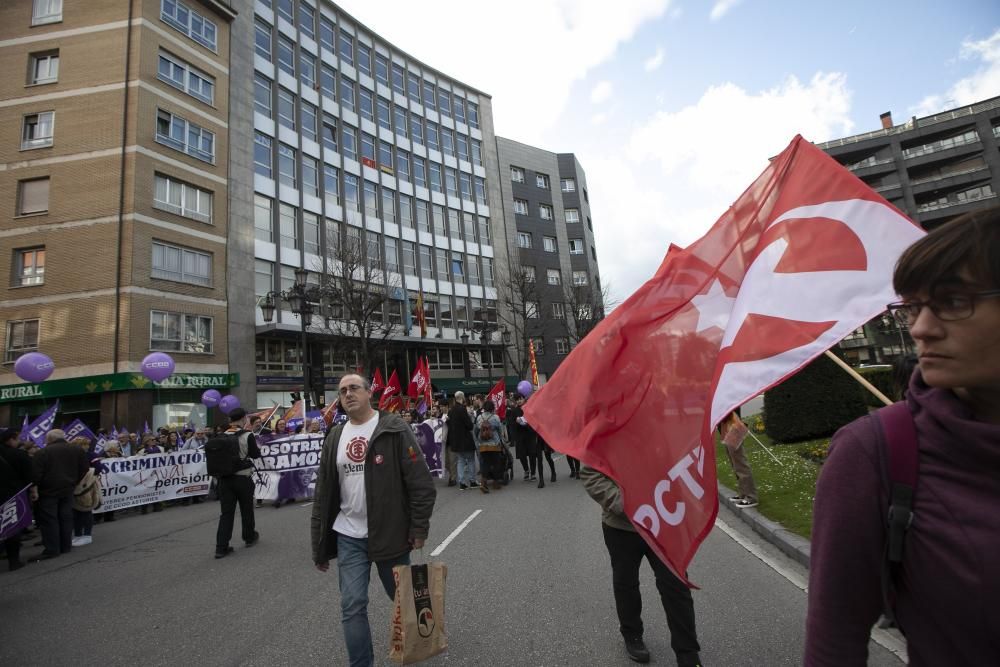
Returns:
<point x="684" y="168"/>
<point x="601" y="92"/>
<point x="983" y="83"/>
<point x="721" y="8"/>
<point x="653" y="62"/>
<point x="567" y="38"/>
<point x="599" y="118"/>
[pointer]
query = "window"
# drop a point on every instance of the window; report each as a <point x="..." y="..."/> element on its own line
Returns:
<point x="446" y="311"/>
<point x="288" y="229"/>
<point x="405" y="210"/>
<point x="326" y="32"/>
<point x="371" y="199"/>
<point x="567" y="184"/>
<point x="368" y="149"/>
<point x="309" y="120"/>
<point x="531" y="310"/>
<point x="562" y="346"/>
<point x="37" y="130"/>
<point x="542" y="181"/>
<point x="429" y="95"/>
<point x="432" y="136"/>
<point x="307" y="69"/>
<point x="435" y="179"/>
<point x="426" y="262"/>
<point x="539" y="345"/>
<point x="381" y="69"/>
<point x="545" y="212"/>
<point x="385" y="154"/>
<point x="593" y="253"/>
<point x="469" y="227"/>
<point x="441" y="255"/>
<point x="477" y="152"/>
<point x="401" y="121"/>
<point x="374" y="251"/>
<point x="558" y="310"/>
<point x="367" y="104"/>
<point x="185" y="136"/>
<point x="521" y="207"/>
<point x="46" y="11"/>
<point x="22" y="336"/>
<point x="181" y="17"/>
<point x="580" y="278"/>
<point x="488" y="271"/>
<point x="462" y="145"/>
<point x="286" y="108"/>
<point x="349" y="139"/>
<point x="352" y="201"/>
<point x="419" y="172"/>
<point x="391" y="255"/>
<point x="459" y="109"/>
<point x="262" y="39"/>
<point x="172" y="262"/>
<point x="444" y="102"/>
<point x="180" y="75"/>
<point x="33" y="196"/>
<point x="473" y="114"/>
<point x="286" y="10"/>
<point x="332" y="237"/>
<point x="524" y="240"/>
<point x="451" y="181"/>
<point x="310" y="176"/>
<point x="180" y="332"/>
<point x="439" y="226"/>
<point x="263" y="278"/>
<point x="286" y="55"/>
<point x="590" y="225"/>
<point x="44" y="67"/>
<point x="553" y="277"/>
<point x="182" y="199"/>
<point x="328" y="81"/>
<point x="423" y="216"/>
<point x="473" y="268"/>
<point x="262" y="95"/>
<point x="383" y="114"/>
<point x="307" y="21"/>
<point x="310" y="232"/>
<point x="286" y="166"/>
<point x="346" y="93"/>
<point x="517" y="174"/>
<point x="402" y="164"/>
<point x="331" y="185"/>
<point x="484" y="231"/>
<point x="528" y="272"/>
<point x="346" y="47"/>
<point x="447" y="141"/>
<point x="262" y="207"/>
<point x="572" y="215"/>
<point x="576" y="246"/>
<point x="388" y="205"/>
<point x="413" y="86"/>
<point x="549" y="243"/>
<point x="262" y="154"/>
<point x="398" y="79"/>
<point x="29" y="267"/>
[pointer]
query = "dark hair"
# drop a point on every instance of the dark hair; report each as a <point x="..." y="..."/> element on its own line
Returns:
<point x="970" y="243"/>
<point x="902" y="369"/>
<point x="8" y="434"/>
<point x="489" y="406"/>
<point x="237" y="414"/>
<point x="255" y="419"/>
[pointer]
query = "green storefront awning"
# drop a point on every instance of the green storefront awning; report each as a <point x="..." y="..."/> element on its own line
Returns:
<point x="471" y="385"/>
<point x="98" y="384"/>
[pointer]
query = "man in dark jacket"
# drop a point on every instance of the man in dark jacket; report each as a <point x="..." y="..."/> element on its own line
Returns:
<point x="57" y="468"/>
<point x="15" y="474"/>
<point x="237" y="489"/>
<point x="373" y="504"/>
<point x="461" y="443"/>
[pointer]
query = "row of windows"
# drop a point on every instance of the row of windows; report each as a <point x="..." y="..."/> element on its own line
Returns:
<point x="549" y="243"/>
<point x="554" y="276"/>
<point x="281" y="355"/>
<point x="542" y="180"/>
<point x="46" y="11"/>
<point x="545" y="211"/>
<point x="562" y="345"/>
<point x="168" y="332"/>
<point x="356" y="53"/>
<point x="183" y="135"/>
<point x="190" y="22"/>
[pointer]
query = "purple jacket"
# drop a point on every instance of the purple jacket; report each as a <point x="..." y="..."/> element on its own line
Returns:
<point x="947" y="598"/>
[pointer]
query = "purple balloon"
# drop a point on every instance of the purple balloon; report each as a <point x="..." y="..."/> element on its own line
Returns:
<point x="229" y="403"/>
<point x="525" y="388"/>
<point x="211" y="398"/>
<point x="157" y="366"/>
<point x="33" y="367"/>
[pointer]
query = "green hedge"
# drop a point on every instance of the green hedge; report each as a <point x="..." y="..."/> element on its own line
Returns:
<point x="883" y="380"/>
<point x="813" y="403"/>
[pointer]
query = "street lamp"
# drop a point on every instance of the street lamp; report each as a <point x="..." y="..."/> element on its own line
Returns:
<point x="482" y="326"/>
<point x="466" y="368"/>
<point x="300" y="297"/>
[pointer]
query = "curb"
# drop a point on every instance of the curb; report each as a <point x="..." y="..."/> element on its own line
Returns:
<point x="794" y="546"/>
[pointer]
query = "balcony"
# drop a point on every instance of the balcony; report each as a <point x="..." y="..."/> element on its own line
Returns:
<point x="963" y="139"/>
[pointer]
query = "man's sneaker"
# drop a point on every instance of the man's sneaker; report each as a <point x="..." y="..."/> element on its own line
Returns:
<point x="736" y="499"/>
<point x="451" y="482"/>
<point x="744" y="503"/>
<point x="254" y="540"/>
<point x="463" y="487"/>
<point x="637" y="650"/>
<point x="473" y="484"/>
<point x="83" y="540"/>
<point x="222" y="553"/>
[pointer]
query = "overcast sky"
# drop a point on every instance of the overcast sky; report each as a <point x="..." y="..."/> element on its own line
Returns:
<point x="673" y="107"/>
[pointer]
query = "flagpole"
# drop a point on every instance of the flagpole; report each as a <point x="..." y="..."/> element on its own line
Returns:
<point x="857" y="376"/>
<point x="765" y="448"/>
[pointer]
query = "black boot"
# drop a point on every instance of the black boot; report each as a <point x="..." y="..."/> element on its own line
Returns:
<point x="637" y="650"/>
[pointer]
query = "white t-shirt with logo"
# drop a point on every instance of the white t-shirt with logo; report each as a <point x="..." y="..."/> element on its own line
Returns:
<point x="351" y="452"/>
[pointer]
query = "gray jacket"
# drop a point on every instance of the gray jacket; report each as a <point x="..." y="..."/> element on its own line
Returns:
<point x="607" y="494"/>
<point x="399" y="492"/>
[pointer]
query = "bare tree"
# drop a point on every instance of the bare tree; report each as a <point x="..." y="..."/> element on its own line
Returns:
<point x="585" y="308"/>
<point x="518" y="295"/>
<point x="360" y="303"/>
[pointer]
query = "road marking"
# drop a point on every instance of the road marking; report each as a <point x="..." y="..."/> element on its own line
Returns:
<point x="441" y="547"/>
<point x="885" y="639"/>
<point x="305" y="505"/>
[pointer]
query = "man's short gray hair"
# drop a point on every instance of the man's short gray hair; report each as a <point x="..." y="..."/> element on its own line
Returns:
<point x="460" y="396"/>
<point x="55" y="435"/>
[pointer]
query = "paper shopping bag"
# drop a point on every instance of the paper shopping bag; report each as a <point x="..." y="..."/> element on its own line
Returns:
<point x="417" y="627"/>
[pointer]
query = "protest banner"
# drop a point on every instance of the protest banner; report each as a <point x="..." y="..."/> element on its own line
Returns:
<point x="288" y="466"/>
<point x="77" y="429"/>
<point x="431" y="449"/>
<point x="139" y="480"/>
<point x="15" y="514"/>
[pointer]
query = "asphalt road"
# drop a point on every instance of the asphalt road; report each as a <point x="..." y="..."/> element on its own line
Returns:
<point x="529" y="583"/>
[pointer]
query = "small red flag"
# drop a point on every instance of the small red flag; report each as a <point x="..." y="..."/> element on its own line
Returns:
<point x="378" y="384"/>
<point x="498" y="394"/>
<point x="391" y="391"/>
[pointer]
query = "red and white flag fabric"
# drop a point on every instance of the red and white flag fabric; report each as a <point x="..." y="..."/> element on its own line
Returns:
<point x="498" y="394"/>
<point x="418" y="381"/>
<point x="803" y="258"/>
<point x="297" y="410"/>
<point x="378" y="384"/>
<point x="390" y="395"/>
<point x="428" y="388"/>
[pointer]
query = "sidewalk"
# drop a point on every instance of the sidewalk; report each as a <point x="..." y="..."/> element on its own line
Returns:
<point x="792" y="545"/>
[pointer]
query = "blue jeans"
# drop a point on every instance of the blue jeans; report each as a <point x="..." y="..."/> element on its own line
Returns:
<point x="466" y="467"/>
<point x="355" y="572"/>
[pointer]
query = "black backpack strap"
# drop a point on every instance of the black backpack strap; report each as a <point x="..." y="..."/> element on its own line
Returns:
<point x="902" y="457"/>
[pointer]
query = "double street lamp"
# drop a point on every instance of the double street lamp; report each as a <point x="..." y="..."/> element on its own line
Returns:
<point x="482" y="326"/>
<point x="301" y="298"/>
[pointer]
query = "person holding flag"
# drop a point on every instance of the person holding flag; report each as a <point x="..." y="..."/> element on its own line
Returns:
<point x="15" y="481"/>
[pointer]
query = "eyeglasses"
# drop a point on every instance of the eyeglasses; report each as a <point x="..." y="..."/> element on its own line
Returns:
<point x="947" y="308"/>
<point x="350" y="389"/>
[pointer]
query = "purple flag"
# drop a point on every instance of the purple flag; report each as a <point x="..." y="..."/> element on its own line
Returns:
<point x="145" y="428"/>
<point x="77" y="429"/>
<point x="15" y="514"/>
<point x="38" y="428"/>
<point x="23" y="435"/>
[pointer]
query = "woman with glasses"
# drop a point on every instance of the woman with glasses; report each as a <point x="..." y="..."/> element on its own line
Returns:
<point x="943" y="593"/>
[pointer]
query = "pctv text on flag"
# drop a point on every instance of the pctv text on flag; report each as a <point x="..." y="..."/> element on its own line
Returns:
<point x="799" y="261"/>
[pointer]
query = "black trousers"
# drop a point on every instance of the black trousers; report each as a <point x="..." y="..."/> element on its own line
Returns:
<point x="55" y="520"/>
<point x="12" y="548"/>
<point x="574" y="465"/>
<point x="83" y="523"/>
<point x="627" y="549"/>
<point x="232" y="490"/>
<point x="536" y="461"/>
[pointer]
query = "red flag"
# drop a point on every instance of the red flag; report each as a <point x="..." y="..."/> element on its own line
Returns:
<point x="295" y="411"/>
<point x="802" y="259"/>
<point x="420" y="314"/>
<point x="378" y="384"/>
<point x="428" y="390"/>
<point x="498" y="394"/>
<point x="419" y="381"/>
<point x="392" y="391"/>
<point x="533" y="362"/>
<point x="329" y="413"/>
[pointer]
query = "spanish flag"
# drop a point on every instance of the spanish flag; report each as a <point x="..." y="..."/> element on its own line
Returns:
<point x="419" y="313"/>
<point x="534" y="363"/>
